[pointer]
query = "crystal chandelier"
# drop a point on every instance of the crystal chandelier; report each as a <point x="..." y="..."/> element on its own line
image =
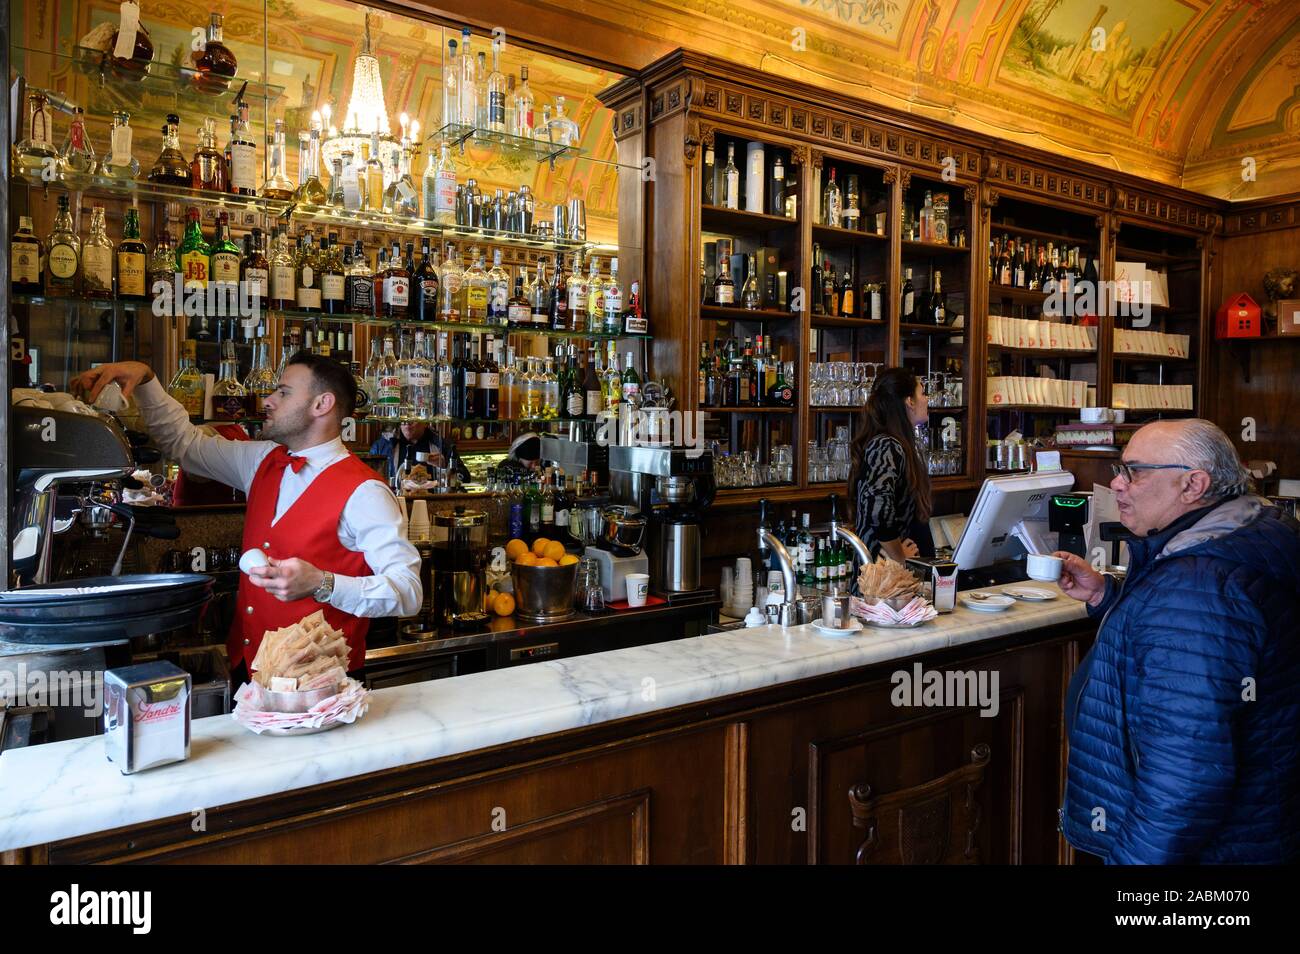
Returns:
<point x="365" y="114"/>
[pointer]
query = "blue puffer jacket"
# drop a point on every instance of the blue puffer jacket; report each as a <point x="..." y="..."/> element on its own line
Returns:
<point x="1184" y="719"/>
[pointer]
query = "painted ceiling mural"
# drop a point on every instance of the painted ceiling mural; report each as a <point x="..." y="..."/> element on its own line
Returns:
<point x="1176" y="90"/>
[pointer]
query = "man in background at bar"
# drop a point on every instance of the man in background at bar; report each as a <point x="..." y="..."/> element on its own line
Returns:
<point x="411" y="437"/>
<point x="1184" y="718"/>
<point x="332" y="531"/>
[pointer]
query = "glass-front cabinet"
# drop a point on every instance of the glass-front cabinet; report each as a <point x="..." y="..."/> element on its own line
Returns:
<point x="210" y="190"/>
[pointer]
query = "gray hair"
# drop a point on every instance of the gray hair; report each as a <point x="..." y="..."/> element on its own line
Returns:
<point x="1202" y="445"/>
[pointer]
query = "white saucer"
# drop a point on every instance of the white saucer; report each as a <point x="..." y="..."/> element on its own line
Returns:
<point x="995" y="603"/>
<point x="1030" y="594"/>
<point x="831" y="631"/>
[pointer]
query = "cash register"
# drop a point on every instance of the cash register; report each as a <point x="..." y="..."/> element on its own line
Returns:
<point x="1012" y="516"/>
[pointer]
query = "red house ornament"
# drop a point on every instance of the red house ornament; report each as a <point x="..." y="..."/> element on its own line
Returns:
<point x="1238" y="317"/>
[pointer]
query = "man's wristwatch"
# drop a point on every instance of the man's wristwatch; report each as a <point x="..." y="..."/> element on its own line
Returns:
<point x="323" y="592"/>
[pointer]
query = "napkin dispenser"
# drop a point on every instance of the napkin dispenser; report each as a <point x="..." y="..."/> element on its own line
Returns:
<point x="940" y="577"/>
<point x="146" y="715"/>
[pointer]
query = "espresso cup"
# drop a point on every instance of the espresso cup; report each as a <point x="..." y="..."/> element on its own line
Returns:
<point x="1044" y="567"/>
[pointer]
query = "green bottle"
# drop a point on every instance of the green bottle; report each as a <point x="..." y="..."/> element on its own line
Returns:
<point x="193" y="254"/>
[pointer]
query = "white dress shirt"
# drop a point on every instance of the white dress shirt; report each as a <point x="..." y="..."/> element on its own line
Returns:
<point x="371" y="523"/>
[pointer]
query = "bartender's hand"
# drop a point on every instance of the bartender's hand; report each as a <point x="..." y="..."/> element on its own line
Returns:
<point x="910" y="549"/>
<point x="287" y="580"/>
<point x="1080" y="580"/>
<point x="128" y="374"/>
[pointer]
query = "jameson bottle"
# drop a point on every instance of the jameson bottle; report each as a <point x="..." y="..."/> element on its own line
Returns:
<point x="132" y="259"/>
<point x="223" y="268"/>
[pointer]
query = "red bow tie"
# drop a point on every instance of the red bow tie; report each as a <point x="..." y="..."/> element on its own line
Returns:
<point x="281" y="458"/>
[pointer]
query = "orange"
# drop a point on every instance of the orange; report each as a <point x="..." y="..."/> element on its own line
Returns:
<point x="568" y="559"/>
<point x="526" y="559"/>
<point x="515" y="548"/>
<point x="546" y="561"/>
<point x="554" y="550"/>
<point x="504" y="604"/>
<point x="539" y="546"/>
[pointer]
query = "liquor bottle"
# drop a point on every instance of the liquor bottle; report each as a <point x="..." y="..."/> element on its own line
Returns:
<point x="208" y="167"/>
<point x="593" y="309"/>
<point x="938" y="305"/>
<point x="38" y="158"/>
<point x="282" y="265"/>
<point x="358" y="288"/>
<point x="374" y="172"/>
<point x="550" y="385"/>
<point x="518" y="310"/>
<point x="612" y="380"/>
<point x="162" y="266"/>
<point x="306" y="275"/>
<point x="260" y="382"/>
<point x="538" y="294"/>
<point x="926" y="217"/>
<point x="439" y="187"/>
<point x="731" y="180"/>
<point x="476" y="290"/>
<point x="830" y="294"/>
<point x="424" y="287"/>
<point x="229" y="396"/>
<point x="26" y="256"/>
<point x="832" y="202"/>
<point x="558" y="298"/>
<point x="631" y="382"/>
<point x="361" y="408"/>
<point x="523" y="107"/>
<point x="397" y="287"/>
<point x="498" y="309"/>
<point x="575" y="287"/>
<point x="749" y="295"/>
<point x="77" y="162"/>
<point x="850" y="214"/>
<point x="442" y="389"/>
<point x="612" y="302"/>
<point x="489" y="383"/>
<point x="187" y="386"/>
<point x="243" y="155"/>
<point x="192" y="255"/>
<point x="223" y="258"/>
<point x="908" y="310"/>
<point x="96" y="255"/>
<point x="311" y="191"/>
<point x="470" y="377"/>
<point x="547" y="491"/>
<point x="130" y="50"/>
<point x="452" y="288"/>
<point x="480" y="91"/>
<point x="333" y="282"/>
<point x="724" y="288"/>
<point x="806" y="552"/>
<point x="634" y="320"/>
<point x="120" y="163"/>
<point x="256" y="272"/>
<point x="215" y="65"/>
<point x="776" y="186"/>
<point x="780" y="394"/>
<point x="404" y="361"/>
<point x="496" y="94"/>
<point x="709" y="176"/>
<point x="388" y="400"/>
<point x="400" y="195"/>
<point x="171" y="167"/>
<point x="451" y="72"/>
<point x="817" y="308"/>
<point x="278" y="185"/>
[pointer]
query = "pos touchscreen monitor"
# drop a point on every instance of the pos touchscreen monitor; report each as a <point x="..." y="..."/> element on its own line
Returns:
<point x="1005" y="503"/>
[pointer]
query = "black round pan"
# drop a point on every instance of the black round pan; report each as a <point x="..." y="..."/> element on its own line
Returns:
<point x="151" y="592"/>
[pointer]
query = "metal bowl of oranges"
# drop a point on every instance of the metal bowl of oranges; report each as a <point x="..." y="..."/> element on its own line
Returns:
<point x="542" y="576"/>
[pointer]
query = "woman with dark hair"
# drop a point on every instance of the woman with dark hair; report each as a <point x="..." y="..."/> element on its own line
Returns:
<point x="889" y="485"/>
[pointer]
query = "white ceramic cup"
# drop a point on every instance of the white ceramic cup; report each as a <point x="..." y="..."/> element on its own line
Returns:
<point x="638" y="587"/>
<point x="1044" y="567"/>
<point x="1094" y="415"/>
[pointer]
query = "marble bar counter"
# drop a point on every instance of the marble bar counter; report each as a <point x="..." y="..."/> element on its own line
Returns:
<point x="62" y="791"/>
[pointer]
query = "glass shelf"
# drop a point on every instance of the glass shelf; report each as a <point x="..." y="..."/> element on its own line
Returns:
<point x="518" y="147"/>
<point x="463" y="326"/>
<point x="437" y="419"/>
<point x="162" y="78"/>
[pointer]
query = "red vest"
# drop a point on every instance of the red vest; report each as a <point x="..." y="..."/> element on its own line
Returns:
<point x="309" y="530"/>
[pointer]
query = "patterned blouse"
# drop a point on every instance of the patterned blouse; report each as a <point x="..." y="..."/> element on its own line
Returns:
<point x="885" y="505"/>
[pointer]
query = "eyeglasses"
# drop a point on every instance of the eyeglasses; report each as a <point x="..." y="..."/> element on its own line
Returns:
<point x="1126" y="470"/>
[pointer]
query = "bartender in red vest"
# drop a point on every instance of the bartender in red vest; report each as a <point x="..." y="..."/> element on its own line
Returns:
<point x="333" y="533"/>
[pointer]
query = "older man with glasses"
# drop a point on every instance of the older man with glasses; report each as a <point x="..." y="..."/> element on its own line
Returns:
<point x="1184" y="718"/>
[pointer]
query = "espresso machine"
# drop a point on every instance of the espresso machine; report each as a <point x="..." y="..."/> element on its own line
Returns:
<point x="672" y="487"/>
<point x="70" y="469"/>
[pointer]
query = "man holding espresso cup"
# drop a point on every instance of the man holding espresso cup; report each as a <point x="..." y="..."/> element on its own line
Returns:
<point x="1182" y="719"/>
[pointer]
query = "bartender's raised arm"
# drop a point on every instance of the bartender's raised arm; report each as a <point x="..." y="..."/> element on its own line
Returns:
<point x="231" y="462"/>
<point x="372" y="523"/>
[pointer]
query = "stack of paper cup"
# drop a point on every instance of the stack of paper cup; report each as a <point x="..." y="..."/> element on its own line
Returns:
<point x="418" y="526"/>
<point x="742" y="588"/>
